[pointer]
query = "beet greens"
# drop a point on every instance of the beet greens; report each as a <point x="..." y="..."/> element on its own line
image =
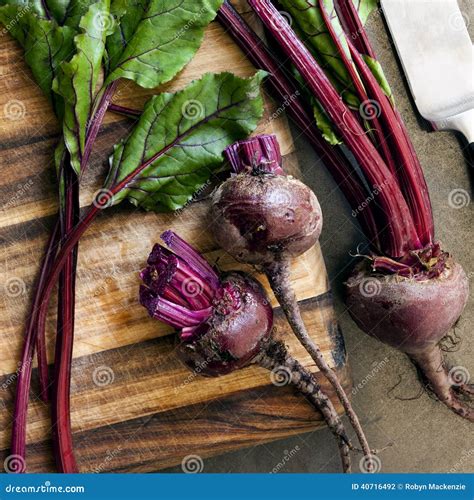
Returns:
<point x="83" y="38"/>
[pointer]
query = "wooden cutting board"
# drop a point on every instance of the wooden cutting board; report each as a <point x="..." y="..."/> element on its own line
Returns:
<point x="134" y="406"/>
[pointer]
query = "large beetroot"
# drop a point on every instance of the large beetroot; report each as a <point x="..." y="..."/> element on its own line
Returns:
<point x="413" y="315"/>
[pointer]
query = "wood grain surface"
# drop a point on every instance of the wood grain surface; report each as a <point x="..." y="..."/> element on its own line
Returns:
<point x="134" y="406"/>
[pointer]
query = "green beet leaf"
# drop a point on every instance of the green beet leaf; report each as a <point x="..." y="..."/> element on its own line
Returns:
<point x="324" y="124"/>
<point x="77" y="80"/>
<point x="376" y="69"/>
<point x="156" y="39"/>
<point x="46" y="45"/>
<point x="128" y="15"/>
<point x="77" y="9"/>
<point x="307" y="17"/>
<point x="178" y="142"/>
<point x="58" y="9"/>
<point x="365" y="8"/>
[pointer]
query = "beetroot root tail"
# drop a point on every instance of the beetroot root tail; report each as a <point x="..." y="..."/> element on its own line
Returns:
<point x="432" y="365"/>
<point x="278" y="275"/>
<point x="275" y="357"/>
<point x="466" y="389"/>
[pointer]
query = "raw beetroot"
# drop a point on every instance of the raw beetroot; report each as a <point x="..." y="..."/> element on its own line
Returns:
<point x="413" y="315"/>
<point x="225" y="322"/>
<point x="263" y="217"/>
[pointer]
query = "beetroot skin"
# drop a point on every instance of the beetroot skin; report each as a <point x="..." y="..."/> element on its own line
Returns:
<point x="413" y="315"/>
<point x="240" y="323"/>
<point x="407" y="314"/>
<point x="265" y="216"/>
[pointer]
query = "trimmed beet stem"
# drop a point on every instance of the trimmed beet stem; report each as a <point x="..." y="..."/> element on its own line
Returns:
<point x="278" y="275"/>
<point x="45" y="269"/>
<point x="43" y="370"/>
<point x="61" y="419"/>
<point x="61" y="414"/>
<point x="276" y="356"/>
<point x="35" y="332"/>
<point x="38" y="315"/>
<point x="338" y="165"/>
<point x="400" y="236"/>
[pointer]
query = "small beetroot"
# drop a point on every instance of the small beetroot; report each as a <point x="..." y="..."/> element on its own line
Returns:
<point x="263" y="217"/>
<point x="225" y="322"/>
